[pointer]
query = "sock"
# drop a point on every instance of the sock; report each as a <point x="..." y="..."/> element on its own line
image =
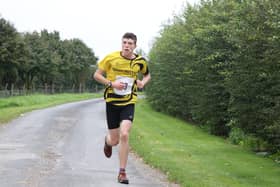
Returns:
<point x="122" y="170"/>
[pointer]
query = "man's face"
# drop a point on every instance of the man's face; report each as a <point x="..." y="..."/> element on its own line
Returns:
<point x="128" y="45"/>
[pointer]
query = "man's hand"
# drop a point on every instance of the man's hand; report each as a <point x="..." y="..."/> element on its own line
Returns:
<point x="140" y="84"/>
<point x="119" y="85"/>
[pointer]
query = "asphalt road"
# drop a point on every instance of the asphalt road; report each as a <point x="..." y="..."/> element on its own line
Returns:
<point x="62" y="146"/>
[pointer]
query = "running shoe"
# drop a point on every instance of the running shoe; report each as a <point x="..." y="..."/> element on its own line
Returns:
<point x="107" y="149"/>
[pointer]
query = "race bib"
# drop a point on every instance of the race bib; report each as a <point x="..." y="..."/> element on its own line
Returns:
<point x="128" y="85"/>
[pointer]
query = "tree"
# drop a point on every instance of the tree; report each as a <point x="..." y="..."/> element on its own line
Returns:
<point x="77" y="62"/>
<point x="255" y="81"/>
<point x="168" y="60"/>
<point x="12" y="53"/>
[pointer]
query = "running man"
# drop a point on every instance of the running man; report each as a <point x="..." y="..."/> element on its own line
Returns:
<point x="119" y="72"/>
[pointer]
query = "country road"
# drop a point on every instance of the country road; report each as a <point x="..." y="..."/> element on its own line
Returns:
<point x="62" y="146"/>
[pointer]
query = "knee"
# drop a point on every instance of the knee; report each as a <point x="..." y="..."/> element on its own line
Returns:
<point x="124" y="136"/>
<point x="114" y="142"/>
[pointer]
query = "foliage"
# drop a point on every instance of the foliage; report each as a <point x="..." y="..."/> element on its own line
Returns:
<point x="254" y="81"/>
<point x="12" y="53"/>
<point x="42" y="58"/>
<point x="167" y="91"/>
<point x="191" y="157"/>
<point x="218" y="64"/>
<point x="237" y="136"/>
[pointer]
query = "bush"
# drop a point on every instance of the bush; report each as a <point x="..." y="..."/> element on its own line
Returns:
<point x="237" y="136"/>
<point x="256" y="144"/>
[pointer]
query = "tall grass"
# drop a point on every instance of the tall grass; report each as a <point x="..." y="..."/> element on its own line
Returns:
<point x="192" y="157"/>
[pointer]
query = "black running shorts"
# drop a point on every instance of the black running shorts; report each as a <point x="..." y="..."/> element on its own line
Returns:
<point x="115" y="114"/>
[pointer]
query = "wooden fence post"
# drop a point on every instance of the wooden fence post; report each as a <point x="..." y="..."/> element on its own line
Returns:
<point x="46" y="88"/>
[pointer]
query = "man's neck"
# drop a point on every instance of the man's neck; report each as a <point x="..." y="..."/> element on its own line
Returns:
<point x="128" y="55"/>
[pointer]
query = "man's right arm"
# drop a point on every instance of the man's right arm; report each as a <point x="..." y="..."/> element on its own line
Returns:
<point x="99" y="77"/>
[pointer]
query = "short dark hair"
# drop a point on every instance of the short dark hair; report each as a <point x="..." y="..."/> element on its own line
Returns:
<point x="130" y="35"/>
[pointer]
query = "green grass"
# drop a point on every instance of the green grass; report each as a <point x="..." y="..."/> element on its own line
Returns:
<point x="191" y="157"/>
<point x="188" y="155"/>
<point x="12" y="107"/>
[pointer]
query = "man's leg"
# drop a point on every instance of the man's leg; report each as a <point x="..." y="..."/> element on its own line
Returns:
<point x="124" y="149"/>
<point x="124" y="142"/>
<point x="111" y="139"/>
<point x="113" y="122"/>
<point x="113" y="136"/>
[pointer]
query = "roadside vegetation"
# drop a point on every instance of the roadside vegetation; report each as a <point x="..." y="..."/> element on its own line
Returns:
<point x="42" y="61"/>
<point x="217" y="64"/>
<point x="191" y="157"/>
<point x="187" y="154"/>
<point x="12" y="107"/>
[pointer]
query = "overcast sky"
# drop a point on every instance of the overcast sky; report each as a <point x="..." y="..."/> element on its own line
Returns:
<point x="98" y="23"/>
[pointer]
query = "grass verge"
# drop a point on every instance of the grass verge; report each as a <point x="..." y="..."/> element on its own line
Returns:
<point x="12" y="107"/>
<point x="184" y="152"/>
<point x="194" y="158"/>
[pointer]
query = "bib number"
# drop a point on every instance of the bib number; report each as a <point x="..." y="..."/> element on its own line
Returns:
<point x="128" y="85"/>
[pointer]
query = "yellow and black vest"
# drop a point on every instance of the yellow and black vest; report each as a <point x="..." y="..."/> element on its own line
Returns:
<point x="115" y="66"/>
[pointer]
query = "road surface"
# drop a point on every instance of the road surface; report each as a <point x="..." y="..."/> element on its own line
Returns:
<point x="62" y="146"/>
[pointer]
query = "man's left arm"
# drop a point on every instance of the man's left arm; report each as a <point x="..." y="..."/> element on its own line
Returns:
<point x="144" y="81"/>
